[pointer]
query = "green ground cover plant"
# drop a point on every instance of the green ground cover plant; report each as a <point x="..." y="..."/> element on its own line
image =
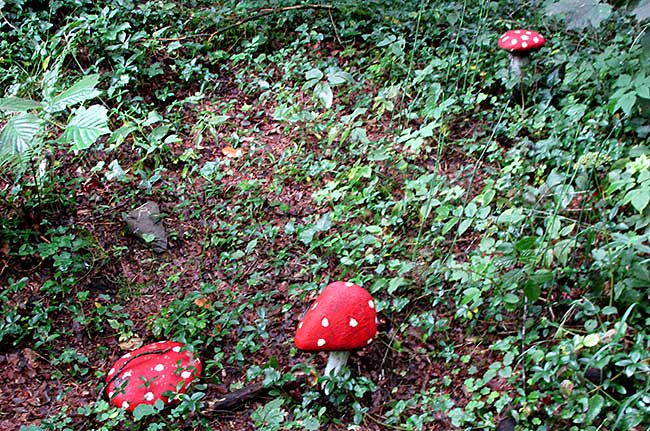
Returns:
<point x="501" y="223"/>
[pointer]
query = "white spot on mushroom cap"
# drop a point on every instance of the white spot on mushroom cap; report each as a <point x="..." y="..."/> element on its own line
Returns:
<point x="370" y="341"/>
<point x="159" y="367"/>
<point x="125" y="404"/>
<point x="524" y="44"/>
<point x="353" y="322"/>
<point x="110" y="394"/>
<point x="325" y="322"/>
<point x="127" y="374"/>
<point x="126" y="356"/>
<point x="524" y="37"/>
<point x="148" y="396"/>
<point x="313" y="307"/>
<point x="320" y="342"/>
<point x="300" y="325"/>
<point x="111" y="371"/>
<point x="186" y="374"/>
<point x="371" y="303"/>
<point x="518" y="31"/>
<point x="514" y="41"/>
<point x="176" y="349"/>
<point x="348" y="284"/>
<point x="536" y="39"/>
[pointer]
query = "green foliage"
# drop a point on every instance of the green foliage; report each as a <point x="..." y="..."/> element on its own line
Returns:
<point x="22" y="134"/>
<point x="502" y="226"/>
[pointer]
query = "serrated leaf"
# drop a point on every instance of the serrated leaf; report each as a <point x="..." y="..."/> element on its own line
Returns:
<point x="639" y="199"/>
<point x="86" y="126"/>
<point x="580" y="14"/>
<point x="17" y="104"/>
<point x="18" y="134"/>
<point x="82" y="90"/>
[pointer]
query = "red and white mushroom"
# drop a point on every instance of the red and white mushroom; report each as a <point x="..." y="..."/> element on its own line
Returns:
<point x="150" y="373"/>
<point x="519" y="44"/>
<point x="341" y="319"/>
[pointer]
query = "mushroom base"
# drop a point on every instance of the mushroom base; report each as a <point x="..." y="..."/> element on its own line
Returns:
<point x="336" y="360"/>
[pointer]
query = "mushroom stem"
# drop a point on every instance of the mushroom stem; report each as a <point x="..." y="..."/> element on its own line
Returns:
<point x="517" y="62"/>
<point x="336" y="360"/>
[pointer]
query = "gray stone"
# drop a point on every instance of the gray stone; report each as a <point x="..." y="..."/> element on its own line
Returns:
<point x="145" y="223"/>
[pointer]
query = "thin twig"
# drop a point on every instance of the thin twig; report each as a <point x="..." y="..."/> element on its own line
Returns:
<point x="336" y="33"/>
<point x="7" y="21"/>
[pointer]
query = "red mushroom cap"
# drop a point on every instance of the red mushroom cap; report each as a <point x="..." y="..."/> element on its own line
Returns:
<point x="521" y="40"/>
<point x="143" y="375"/>
<point x="343" y="317"/>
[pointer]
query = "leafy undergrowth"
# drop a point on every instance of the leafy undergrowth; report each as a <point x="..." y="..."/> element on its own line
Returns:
<point x="501" y="225"/>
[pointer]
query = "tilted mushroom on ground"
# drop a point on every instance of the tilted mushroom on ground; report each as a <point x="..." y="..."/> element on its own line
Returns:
<point x="519" y="44"/>
<point x="341" y="319"/>
<point x="149" y="373"/>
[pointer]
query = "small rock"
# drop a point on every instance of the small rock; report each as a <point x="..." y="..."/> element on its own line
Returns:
<point x="507" y="424"/>
<point x="145" y="223"/>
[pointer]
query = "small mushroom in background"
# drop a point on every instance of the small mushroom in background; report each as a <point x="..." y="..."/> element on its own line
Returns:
<point x="341" y="319"/>
<point x="519" y="44"/>
<point x="143" y="375"/>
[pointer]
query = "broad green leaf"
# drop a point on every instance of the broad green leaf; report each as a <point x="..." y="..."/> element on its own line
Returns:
<point x="532" y="291"/>
<point x="639" y="198"/>
<point x="18" y="134"/>
<point x="82" y="90"/>
<point x="17" y="104"/>
<point x="86" y="126"/>
<point x="580" y="14"/>
<point x="626" y="102"/>
<point x="591" y="340"/>
<point x="596" y="404"/>
<point x="313" y="74"/>
<point x="338" y="77"/>
<point x="511" y="216"/>
<point x="324" y="93"/>
<point x="143" y="410"/>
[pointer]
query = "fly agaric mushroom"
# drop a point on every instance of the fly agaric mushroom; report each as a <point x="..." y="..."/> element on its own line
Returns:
<point x="341" y="319"/>
<point x="519" y="44"/>
<point x="148" y="373"/>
